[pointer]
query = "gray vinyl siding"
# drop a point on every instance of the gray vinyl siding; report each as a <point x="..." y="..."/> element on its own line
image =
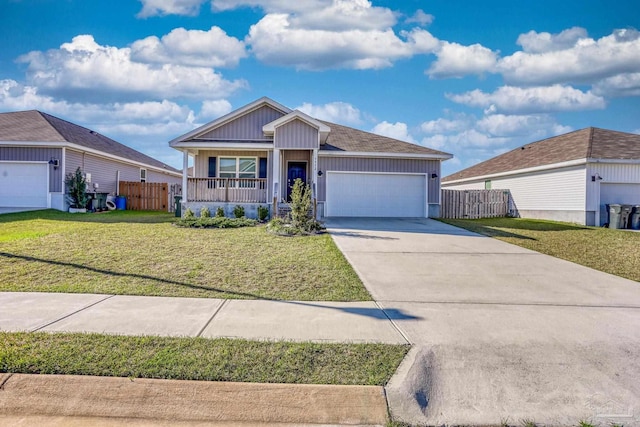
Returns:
<point x="246" y="127"/>
<point x="363" y="164"/>
<point x="34" y="154"/>
<point x="296" y="134"/>
<point x="104" y="171"/>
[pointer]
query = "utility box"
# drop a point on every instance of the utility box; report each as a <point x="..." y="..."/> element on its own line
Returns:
<point x="635" y="218"/>
<point x="178" y="205"/>
<point x="613" y="212"/>
<point x="625" y="216"/>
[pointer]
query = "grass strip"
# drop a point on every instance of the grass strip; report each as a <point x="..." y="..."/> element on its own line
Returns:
<point x="612" y="251"/>
<point x="199" y="358"/>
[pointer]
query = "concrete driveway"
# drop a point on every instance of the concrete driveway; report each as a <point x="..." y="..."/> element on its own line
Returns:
<point x="501" y="334"/>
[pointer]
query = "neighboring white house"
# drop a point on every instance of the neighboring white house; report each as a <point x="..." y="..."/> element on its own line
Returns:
<point x="253" y="155"/>
<point x="37" y="150"/>
<point x="570" y="177"/>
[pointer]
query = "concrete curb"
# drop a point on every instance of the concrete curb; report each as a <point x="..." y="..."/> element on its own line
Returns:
<point x="150" y="401"/>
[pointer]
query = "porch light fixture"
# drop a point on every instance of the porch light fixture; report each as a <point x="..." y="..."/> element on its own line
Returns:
<point x="55" y="163"/>
<point x="596" y="177"/>
<point x="320" y="173"/>
<point x="434" y="175"/>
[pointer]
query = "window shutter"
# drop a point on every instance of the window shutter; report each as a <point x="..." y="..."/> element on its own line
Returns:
<point x="262" y="171"/>
<point x="212" y="167"/>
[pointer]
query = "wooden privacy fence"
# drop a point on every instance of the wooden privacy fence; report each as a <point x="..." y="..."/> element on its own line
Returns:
<point x="474" y="204"/>
<point x="145" y="196"/>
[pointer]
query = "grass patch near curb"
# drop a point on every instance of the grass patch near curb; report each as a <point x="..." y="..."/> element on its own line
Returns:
<point x="612" y="251"/>
<point x="142" y="253"/>
<point x="199" y="358"/>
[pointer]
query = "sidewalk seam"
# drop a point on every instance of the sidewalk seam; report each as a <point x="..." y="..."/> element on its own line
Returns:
<point x="71" y="314"/>
<point x="206" y="325"/>
<point x="396" y="327"/>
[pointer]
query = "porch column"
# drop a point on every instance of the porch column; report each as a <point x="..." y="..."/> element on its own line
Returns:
<point x="314" y="173"/>
<point x="185" y="173"/>
<point x="276" y="173"/>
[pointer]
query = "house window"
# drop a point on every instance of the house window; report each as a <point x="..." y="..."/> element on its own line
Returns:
<point x="487" y="184"/>
<point x="238" y="167"/>
<point x="143" y="175"/>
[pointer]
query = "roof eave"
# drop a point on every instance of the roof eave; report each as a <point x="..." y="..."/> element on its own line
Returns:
<point x="429" y="156"/>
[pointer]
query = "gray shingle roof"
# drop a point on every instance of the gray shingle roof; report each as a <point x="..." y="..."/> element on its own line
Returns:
<point x="581" y="144"/>
<point x="34" y="125"/>
<point x="343" y="138"/>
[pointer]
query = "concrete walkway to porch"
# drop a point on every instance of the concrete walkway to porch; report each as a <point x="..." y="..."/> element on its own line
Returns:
<point x="355" y="322"/>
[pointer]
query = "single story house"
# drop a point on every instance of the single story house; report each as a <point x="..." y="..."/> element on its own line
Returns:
<point x="252" y="156"/>
<point x="37" y="151"/>
<point x="570" y="177"/>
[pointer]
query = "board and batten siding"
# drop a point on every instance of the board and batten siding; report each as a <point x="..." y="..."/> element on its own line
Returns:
<point x="36" y="154"/>
<point x="105" y="171"/>
<point x="381" y="165"/>
<point x="296" y="134"/>
<point x="246" y="127"/>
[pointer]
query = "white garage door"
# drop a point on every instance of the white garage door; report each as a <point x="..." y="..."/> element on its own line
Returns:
<point x="23" y="185"/>
<point x="376" y="195"/>
<point x="624" y="194"/>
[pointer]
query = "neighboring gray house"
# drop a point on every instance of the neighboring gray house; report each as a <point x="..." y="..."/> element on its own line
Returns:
<point x="37" y="150"/>
<point x="570" y="177"/>
<point x="252" y="156"/>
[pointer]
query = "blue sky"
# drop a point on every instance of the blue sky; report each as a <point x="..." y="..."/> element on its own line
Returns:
<point x="471" y="78"/>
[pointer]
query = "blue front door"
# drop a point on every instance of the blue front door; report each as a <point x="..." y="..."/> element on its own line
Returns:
<point x="295" y="170"/>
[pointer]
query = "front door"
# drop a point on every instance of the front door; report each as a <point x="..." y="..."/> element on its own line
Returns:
<point x="295" y="170"/>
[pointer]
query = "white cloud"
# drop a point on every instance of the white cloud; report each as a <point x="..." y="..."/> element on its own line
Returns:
<point x="627" y="84"/>
<point x="336" y="112"/>
<point x="443" y="125"/>
<point x="85" y="70"/>
<point x="396" y="130"/>
<point x="542" y="99"/>
<point x="275" y="41"/>
<point x="213" y="48"/>
<point x="211" y="110"/>
<point x="169" y="7"/>
<point x="420" y="17"/>
<point x="587" y="61"/>
<point x="456" y="60"/>
<point x="535" y="42"/>
<point x="519" y="125"/>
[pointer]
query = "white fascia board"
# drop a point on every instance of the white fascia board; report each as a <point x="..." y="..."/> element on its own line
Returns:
<point x="551" y="166"/>
<point x="229" y="117"/>
<point x="613" y="161"/>
<point x="323" y="153"/>
<point x="269" y="128"/>
<point x="77" y="147"/>
<point x="189" y="145"/>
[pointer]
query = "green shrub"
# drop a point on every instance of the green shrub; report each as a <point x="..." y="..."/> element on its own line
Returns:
<point x="219" y="212"/>
<point x="76" y="189"/>
<point x="238" y="211"/>
<point x="188" y="214"/>
<point x="263" y="213"/>
<point x="205" y="212"/>
<point x="300" y="221"/>
<point x="215" y="222"/>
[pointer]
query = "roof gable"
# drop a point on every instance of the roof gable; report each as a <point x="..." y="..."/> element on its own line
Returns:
<point x="588" y="143"/>
<point x="322" y="128"/>
<point x="210" y="131"/>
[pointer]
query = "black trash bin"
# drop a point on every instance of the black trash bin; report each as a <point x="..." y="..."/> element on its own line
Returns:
<point x="178" y="205"/>
<point x="635" y="218"/>
<point x="613" y="211"/>
<point x="625" y="216"/>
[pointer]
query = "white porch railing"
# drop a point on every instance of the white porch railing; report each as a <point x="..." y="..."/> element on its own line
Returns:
<point x="236" y="190"/>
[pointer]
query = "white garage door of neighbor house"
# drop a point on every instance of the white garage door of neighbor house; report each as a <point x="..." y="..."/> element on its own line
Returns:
<point x="624" y="194"/>
<point x="23" y="185"/>
<point x="376" y="195"/>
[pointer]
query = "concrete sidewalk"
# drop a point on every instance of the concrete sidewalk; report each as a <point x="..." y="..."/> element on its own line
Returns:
<point x="354" y="322"/>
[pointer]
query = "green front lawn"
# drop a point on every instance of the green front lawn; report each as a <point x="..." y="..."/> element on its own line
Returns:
<point x="612" y="251"/>
<point x="142" y="253"/>
<point x="199" y="358"/>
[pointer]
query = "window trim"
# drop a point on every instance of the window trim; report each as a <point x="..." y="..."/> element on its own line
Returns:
<point x="237" y="159"/>
<point x="143" y="171"/>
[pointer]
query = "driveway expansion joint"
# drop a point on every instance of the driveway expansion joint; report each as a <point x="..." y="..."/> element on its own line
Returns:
<point x="216" y="311"/>
<point x="71" y="314"/>
<point x="397" y="328"/>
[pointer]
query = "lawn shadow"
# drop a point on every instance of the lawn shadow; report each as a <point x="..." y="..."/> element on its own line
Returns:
<point x="106" y="217"/>
<point x="360" y="235"/>
<point x="376" y="313"/>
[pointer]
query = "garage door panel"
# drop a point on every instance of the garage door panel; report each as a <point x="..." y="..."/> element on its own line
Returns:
<point x="376" y="195"/>
<point x="24" y="185"/>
